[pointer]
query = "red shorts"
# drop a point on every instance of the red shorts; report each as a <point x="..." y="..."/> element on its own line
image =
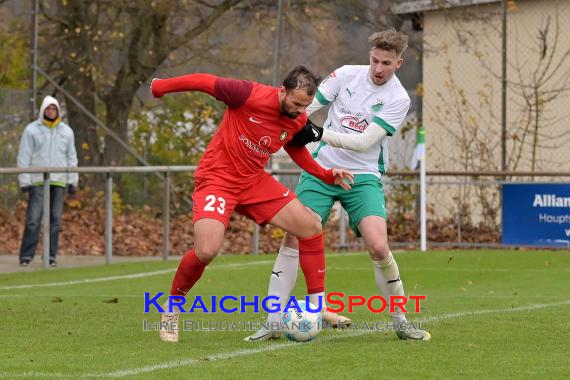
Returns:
<point x="259" y="201"/>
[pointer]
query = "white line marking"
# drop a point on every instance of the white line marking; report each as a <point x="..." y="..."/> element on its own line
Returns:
<point x="148" y="274"/>
<point x="472" y="270"/>
<point x="88" y="280"/>
<point x="245" y="352"/>
<point x="489" y="311"/>
<point x="266" y="348"/>
<point x="33" y="374"/>
<point x="128" y="276"/>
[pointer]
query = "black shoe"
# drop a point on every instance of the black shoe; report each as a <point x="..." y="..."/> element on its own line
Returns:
<point x="52" y="263"/>
<point x="24" y="263"/>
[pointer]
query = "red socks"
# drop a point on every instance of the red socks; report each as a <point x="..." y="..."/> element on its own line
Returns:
<point x="189" y="271"/>
<point x="312" y="260"/>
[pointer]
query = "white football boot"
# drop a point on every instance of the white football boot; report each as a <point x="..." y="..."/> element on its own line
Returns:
<point x="263" y="334"/>
<point x="410" y="332"/>
<point x="167" y="322"/>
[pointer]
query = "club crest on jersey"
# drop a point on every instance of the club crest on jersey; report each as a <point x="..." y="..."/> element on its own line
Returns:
<point x="378" y="106"/>
<point x="283" y="135"/>
<point x="331" y="75"/>
<point x="265" y="141"/>
<point x="354" y="124"/>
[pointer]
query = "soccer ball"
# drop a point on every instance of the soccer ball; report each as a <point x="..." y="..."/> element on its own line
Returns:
<point x="301" y="325"/>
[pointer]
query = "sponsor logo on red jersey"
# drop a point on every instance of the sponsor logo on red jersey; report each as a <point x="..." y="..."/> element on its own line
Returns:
<point x="256" y="149"/>
<point x="265" y="141"/>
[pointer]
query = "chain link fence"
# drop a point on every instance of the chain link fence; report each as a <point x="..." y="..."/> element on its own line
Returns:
<point x="462" y="96"/>
<point x="462" y="86"/>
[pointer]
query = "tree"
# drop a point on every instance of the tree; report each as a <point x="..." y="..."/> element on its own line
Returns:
<point x="105" y="52"/>
<point x="548" y="83"/>
<point x="102" y="52"/>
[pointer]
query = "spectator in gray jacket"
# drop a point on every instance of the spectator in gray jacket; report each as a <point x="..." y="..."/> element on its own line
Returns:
<point x="46" y="142"/>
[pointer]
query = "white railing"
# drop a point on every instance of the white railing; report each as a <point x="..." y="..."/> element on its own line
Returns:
<point x="109" y="170"/>
<point x="167" y="170"/>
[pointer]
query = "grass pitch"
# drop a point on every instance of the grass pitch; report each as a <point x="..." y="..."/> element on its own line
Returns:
<point x="492" y="314"/>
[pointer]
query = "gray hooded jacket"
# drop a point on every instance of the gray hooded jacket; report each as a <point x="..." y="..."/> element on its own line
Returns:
<point x="41" y="146"/>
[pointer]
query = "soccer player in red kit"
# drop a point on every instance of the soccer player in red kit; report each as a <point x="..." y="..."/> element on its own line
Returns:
<point x="230" y="176"/>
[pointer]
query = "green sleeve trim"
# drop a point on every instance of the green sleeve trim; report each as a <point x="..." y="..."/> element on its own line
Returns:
<point x="316" y="152"/>
<point x="391" y="130"/>
<point x="321" y="98"/>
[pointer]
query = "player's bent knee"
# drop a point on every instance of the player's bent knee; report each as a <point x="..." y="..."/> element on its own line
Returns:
<point x="317" y="228"/>
<point x="378" y="250"/>
<point x="290" y="241"/>
<point x="312" y="229"/>
<point x="206" y="255"/>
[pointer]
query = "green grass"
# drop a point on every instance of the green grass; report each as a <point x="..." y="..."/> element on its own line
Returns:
<point x="481" y="308"/>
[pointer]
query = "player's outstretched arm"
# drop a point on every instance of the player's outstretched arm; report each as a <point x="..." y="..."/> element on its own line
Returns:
<point x="190" y="82"/>
<point x="233" y="92"/>
<point x="356" y="142"/>
<point x="303" y="158"/>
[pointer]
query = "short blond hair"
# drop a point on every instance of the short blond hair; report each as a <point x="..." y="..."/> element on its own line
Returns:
<point x="389" y="40"/>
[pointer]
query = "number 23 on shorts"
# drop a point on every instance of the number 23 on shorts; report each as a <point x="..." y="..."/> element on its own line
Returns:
<point x="214" y="203"/>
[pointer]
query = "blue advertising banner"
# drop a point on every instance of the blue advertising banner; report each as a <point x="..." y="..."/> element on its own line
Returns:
<point x="536" y="214"/>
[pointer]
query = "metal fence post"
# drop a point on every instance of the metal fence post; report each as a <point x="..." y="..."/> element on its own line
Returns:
<point x="423" y="206"/>
<point x="166" y="217"/>
<point x="342" y="228"/>
<point x="459" y="221"/>
<point x="46" y="219"/>
<point x="109" y="219"/>
<point x="34" y="58"/>
<point x="255" y="239"/>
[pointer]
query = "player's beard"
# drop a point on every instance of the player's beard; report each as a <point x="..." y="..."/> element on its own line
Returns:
<point x="290" y="115"/>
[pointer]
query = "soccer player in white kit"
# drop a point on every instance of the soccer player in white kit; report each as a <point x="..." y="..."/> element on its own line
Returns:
<point x="367" y="105"/>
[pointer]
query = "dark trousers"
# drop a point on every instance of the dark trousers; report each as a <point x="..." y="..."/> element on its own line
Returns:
<point x="34" y="215"/>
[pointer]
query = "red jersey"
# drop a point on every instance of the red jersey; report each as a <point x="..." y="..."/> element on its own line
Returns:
<point x="251" y="130"/>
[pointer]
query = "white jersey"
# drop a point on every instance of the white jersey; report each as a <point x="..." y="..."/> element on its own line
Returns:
<point x="357" y="103"/>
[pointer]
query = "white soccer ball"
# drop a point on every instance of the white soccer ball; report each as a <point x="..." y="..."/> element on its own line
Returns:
<point x="301" y="325"/>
